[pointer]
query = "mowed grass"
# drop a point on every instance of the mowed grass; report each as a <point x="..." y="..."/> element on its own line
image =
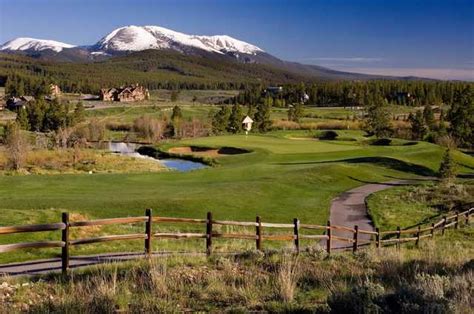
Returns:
<point x="280" y="179"/>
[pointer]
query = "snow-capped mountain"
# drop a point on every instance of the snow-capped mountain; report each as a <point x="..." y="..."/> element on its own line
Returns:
<point x="137" y="38"/>
<point x="33" y="44"/>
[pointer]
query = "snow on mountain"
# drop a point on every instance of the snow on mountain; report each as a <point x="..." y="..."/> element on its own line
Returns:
<point x="25" y="43"/>
<point x="136" y="38"/>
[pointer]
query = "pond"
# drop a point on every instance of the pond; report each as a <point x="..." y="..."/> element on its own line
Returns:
<point x="129" y="149"/>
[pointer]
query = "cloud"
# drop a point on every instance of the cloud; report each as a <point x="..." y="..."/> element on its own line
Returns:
<point x="345" y="59"/>
<point x="435" y="73"/>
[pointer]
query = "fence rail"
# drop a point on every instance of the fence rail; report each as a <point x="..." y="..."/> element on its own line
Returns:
<point x="377" y="237"/>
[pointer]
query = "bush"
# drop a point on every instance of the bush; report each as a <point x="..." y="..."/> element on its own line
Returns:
<point x="148" y="128"/>
<point x="328" y="135"/>
<point x="362" y="298"/>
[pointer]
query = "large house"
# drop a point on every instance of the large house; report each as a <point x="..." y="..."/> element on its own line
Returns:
<point x="132" y="92"/>
<point x="16" y="103"/>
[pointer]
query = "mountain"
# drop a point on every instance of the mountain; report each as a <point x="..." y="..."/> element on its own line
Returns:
<point x="223" y="49"/>
<point x="138" y="38"/>
<point x="34" y="45"/>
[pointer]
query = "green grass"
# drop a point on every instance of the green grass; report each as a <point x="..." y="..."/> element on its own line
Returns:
<point x="281" y="179"/>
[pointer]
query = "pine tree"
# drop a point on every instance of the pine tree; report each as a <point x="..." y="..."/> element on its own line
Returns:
<point x="176" y="114"/>
<point x="235" y="119"/>
<point x="428" y="117"/>
<point x="447" y="169"/>
<point x="22" y="119"/>
<point x="262" y="117"/>
<point x="378" y="117"/>
<point x="418" y="128"/>
<point x="220" y="121"/>
<point x="461" y="117"/>
<point x="79" y="113"/>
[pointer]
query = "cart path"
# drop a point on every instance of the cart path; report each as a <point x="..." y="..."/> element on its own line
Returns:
<point x="348" y="209"/>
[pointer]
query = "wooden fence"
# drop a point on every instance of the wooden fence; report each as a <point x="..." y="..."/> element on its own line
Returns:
<point x="377" y="237"/>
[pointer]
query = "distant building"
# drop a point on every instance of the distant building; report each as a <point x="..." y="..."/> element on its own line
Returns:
<point x="273" y="90"/>
<point x="54" y="90"/>
<point x="132" y="92"/>
<point x="17" y="103"/>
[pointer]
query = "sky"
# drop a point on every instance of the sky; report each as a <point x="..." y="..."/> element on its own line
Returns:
<point x="428" y="38"/>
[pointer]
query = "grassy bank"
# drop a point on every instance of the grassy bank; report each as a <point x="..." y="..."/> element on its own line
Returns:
<point x="436" y="278"/>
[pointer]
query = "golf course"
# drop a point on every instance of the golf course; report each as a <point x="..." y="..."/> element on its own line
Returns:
<point x="284" y="174"/>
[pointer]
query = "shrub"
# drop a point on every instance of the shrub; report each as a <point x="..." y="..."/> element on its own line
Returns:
<point x="148" y="128"/>
<point x="362" y="298"/>
<point x="17" y="146"/>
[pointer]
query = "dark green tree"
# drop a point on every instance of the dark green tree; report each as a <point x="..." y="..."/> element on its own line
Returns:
<point x="79" y="113"/>
<point x="428" y="117"/>
<point x="418" y="128"/>
<point x="176" y="114"/>
<point x="378" y="117"/>
<point x="220" y="121"/>
<point x="235" y="119"/>
<point x="22" y="119"/>
<point x="461" y="117"/>
<point x="262" y="117"/>
<point x="447" y="169"/>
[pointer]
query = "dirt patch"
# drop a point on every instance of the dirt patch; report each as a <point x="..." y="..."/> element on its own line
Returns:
<point x="206" y="151"/>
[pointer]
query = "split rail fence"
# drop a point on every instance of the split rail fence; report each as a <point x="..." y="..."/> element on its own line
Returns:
<point x="378" y="238"/>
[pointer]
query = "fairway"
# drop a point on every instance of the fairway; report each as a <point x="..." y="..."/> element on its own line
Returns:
<point x="280" y="179"/>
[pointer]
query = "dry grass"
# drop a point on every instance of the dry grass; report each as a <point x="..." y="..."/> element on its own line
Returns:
<point x="323" y="125"/>
<point x="81" y="160"/>
<point x="436" y="277"/>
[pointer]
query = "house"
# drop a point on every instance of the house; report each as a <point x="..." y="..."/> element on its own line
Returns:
<point x="132" y="92"/>
<point x="16" y="103"/>
<point x="54" y="90"/>
<point x="273" y="90"/>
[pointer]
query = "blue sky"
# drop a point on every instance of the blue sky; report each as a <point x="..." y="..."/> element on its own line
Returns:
<point x="405" y="37"/>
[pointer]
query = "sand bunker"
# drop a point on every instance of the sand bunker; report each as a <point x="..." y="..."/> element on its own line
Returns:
<point x="207" y="151"/>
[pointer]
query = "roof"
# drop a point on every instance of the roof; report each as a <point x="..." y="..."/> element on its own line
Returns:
<point x="247" y="119"/>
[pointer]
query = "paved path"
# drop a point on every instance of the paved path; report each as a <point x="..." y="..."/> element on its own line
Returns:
<point x="349" y="209"/>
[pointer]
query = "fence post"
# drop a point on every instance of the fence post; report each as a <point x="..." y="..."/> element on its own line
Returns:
<point x="377" y="238"/>
<point x="258" y="233"/>
<point x="418" y="236"/>
<point x="398" y="237"/>
<point x="432" y="230"/>
<point x="296" y="227"/>
<point x="209" y="234"/>
<point x="356" y="239"/>
<point x="328" y="242"/>
<point x="148" y="232"/>
<point x="456" y="225"/>
<point x="65" y="248"/>
<point x="444" y="226"/>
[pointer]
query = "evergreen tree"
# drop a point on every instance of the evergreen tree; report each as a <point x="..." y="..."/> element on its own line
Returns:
<point x="295" y="112"/>
<point x="220" y="121"/>
<point x="461" y="117"/>
<point x="176" y="114"/>
<point x="418" y="128"/>
<point x="22" y="119"/>
<point x="174" y="96"/>
<point x="235" y="119"/>
<point x="79" y="113"/>
<point x="262" y="117"/>
<point x="428" y="117"/>
<point x="447" y="169"/>
<point x="378" y="117"/>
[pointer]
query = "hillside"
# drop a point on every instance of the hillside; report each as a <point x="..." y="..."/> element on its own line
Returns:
<point x="154" y="69"/>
